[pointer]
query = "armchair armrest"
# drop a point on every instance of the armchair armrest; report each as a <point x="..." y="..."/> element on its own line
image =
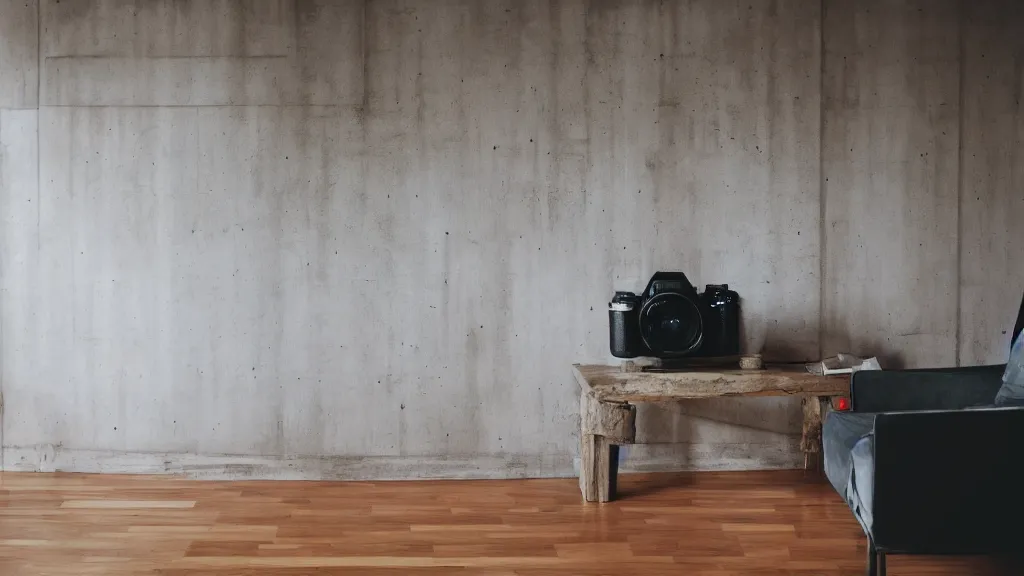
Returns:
<point x="948" y="481"/>
<point x="930" y="389"/>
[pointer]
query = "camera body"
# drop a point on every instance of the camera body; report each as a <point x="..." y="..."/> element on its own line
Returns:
<point x="670" y="319"/>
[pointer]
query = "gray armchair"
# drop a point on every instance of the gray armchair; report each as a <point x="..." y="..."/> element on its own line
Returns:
<point x="928" y="463"/>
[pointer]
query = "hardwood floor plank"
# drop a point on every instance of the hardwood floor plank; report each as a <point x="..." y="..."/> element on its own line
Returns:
<point x="97" y="504"/>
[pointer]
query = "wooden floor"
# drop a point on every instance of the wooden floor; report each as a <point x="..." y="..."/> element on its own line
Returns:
<point x="761" y="523"/>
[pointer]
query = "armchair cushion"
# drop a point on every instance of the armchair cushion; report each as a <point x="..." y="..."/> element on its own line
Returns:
<point x="848" y="444"/>
<point x="1011" y="393"/>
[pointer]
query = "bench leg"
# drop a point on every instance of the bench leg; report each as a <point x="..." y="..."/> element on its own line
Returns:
<point x="814" y="409"/>
<point x="603" y="427"/>
<point x="599" y="467"/>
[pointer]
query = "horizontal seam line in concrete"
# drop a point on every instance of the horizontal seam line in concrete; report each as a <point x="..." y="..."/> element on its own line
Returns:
<point x="168" y="57"/>
<point x="126" y="106"/>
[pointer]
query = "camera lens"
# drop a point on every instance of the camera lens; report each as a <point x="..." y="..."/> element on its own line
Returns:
<point x="671" y="325"/>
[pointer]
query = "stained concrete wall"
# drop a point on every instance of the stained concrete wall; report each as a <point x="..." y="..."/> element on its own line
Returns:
<point x="359" y="239"/>
<point x="992" y="179"/>
<point x="890" y="151"/>
<point x="922" y="179"/>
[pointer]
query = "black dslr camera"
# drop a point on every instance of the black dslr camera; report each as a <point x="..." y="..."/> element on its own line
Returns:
<point x="670" y="319"/>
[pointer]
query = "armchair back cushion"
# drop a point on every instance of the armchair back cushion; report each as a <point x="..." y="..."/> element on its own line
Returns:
<point x="1020" y="323"/>
<point x="1011" y="393"/>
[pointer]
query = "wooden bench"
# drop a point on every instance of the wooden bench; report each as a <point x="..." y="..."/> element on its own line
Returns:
<point x="608" y="417"/>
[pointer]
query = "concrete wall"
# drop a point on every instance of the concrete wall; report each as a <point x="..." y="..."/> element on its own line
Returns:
<point x="991" y="205"/>
<point x="890" y="153"/>
<point x="365" y="239"/>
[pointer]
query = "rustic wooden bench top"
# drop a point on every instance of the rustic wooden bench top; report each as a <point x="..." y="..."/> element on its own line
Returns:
<point x="611" y="384"/>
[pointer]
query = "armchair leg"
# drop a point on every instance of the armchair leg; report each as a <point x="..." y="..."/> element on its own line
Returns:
<point x="872" y="560"/>
<point x="876" y="560"/>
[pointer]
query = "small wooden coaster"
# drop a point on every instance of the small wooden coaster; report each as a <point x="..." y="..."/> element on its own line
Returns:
<point x="752" y="362"/>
